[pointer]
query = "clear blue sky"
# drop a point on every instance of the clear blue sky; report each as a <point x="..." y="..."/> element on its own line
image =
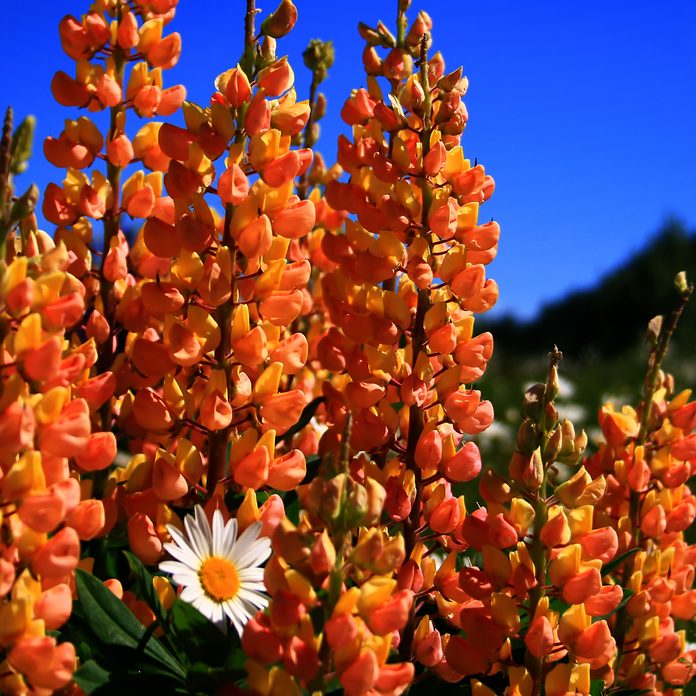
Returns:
<point x="584" y="112"/>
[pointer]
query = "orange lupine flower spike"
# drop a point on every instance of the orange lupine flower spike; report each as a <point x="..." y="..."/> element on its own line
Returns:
<point x="563" y="556"/>
<point x="225" y="290"/>
<point x="403" y="289"/>
<point x="60" y="398"/>
<point x="122" y="33"/>
<point x="647" y="459"/>
<point x="45" y="425"/>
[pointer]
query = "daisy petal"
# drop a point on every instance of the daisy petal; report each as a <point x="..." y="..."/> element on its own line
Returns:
<point x="253" y="555"/>
<point x="229" y="538"/>
<point x="191" y="593"/>
<point x="197" y="538"/>
<point x="182" y="542"/>
<point x="258" y="600"/>
<point x="176" y="567"/>
<point x="218" y="533"/>
<point x="248" y="536"/>
<point x="235" y="608"/>
<point x="203" y="524"/>
<point x="250" y="575"/>
<point x="183" y="554"/>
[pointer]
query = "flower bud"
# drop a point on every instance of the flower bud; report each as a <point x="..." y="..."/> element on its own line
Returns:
<point x="371" y="61"/>
<point x="332" y="497"/>
<point x="319" y="57"/>
<point x="356" y="503"/>
<point x="533" y="401"/>
<point x="319" y="108"/>
<point x="533" y="473"/>
<point x="527" y="437"/>
<point x="654" y="328"/>
<point x="267" y="50"/>
<point x="376" y="495"/>
<point x="681" y="283"/>
<point x="569" y="491"/>
<point x="26" y="203"/>
<point x="553" y="444"/>
<point x="143" y="539"/>
<point x="550" y="416"/>
<point x="368" y="34"/>
<point x="281" y="22"/>
<point x="552" y="383"/>
<point x="448" y="82"/>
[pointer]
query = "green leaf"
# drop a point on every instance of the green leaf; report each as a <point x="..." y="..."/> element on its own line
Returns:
<point x="292" y="509"/>
<point x="90" y="676"/>
<point x="114" y="624"/>
<point x="558" y="605"/>
<point x="608" y="568"/>
<point x="204" y="679"/>
<point x="596" y="687"/>
<point x="307" y="414"/>
<point x="109" y="562"/>
<point x="313" y="463"/>
<point x="197" y="638"/>
<point x="144" y="586"/>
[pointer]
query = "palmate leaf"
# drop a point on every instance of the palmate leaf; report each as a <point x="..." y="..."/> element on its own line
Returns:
<point x="197" y="637"/>
<point x="113" y="624"/>
<point x="91" y="676"/>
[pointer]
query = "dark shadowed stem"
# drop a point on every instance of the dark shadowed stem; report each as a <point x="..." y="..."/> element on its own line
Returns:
<point x="217" y="444"/>
<point x="5" y="186"/>
<point x="217" y="452"/>
<point x="112" y="224"/>
<point x="658" y="352"/>
<point x="415" y="415"/>
<point x="537" y="549"/>
<point x="303" y="183"/>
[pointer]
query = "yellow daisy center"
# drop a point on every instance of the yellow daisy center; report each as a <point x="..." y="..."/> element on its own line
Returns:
<point x="219" y="578"/>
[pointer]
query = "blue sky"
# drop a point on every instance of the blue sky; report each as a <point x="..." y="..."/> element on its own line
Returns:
<point x="583" y="112"/>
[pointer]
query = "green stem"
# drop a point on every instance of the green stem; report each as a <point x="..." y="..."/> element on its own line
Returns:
<point x="400" y="24"/>
<point x="248" y="61"/>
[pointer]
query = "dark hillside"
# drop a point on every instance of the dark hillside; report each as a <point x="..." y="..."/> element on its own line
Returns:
<point x="611" y="317"/>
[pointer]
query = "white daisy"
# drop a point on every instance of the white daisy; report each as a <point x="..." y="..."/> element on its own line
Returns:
<point x="220" y="574"/>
